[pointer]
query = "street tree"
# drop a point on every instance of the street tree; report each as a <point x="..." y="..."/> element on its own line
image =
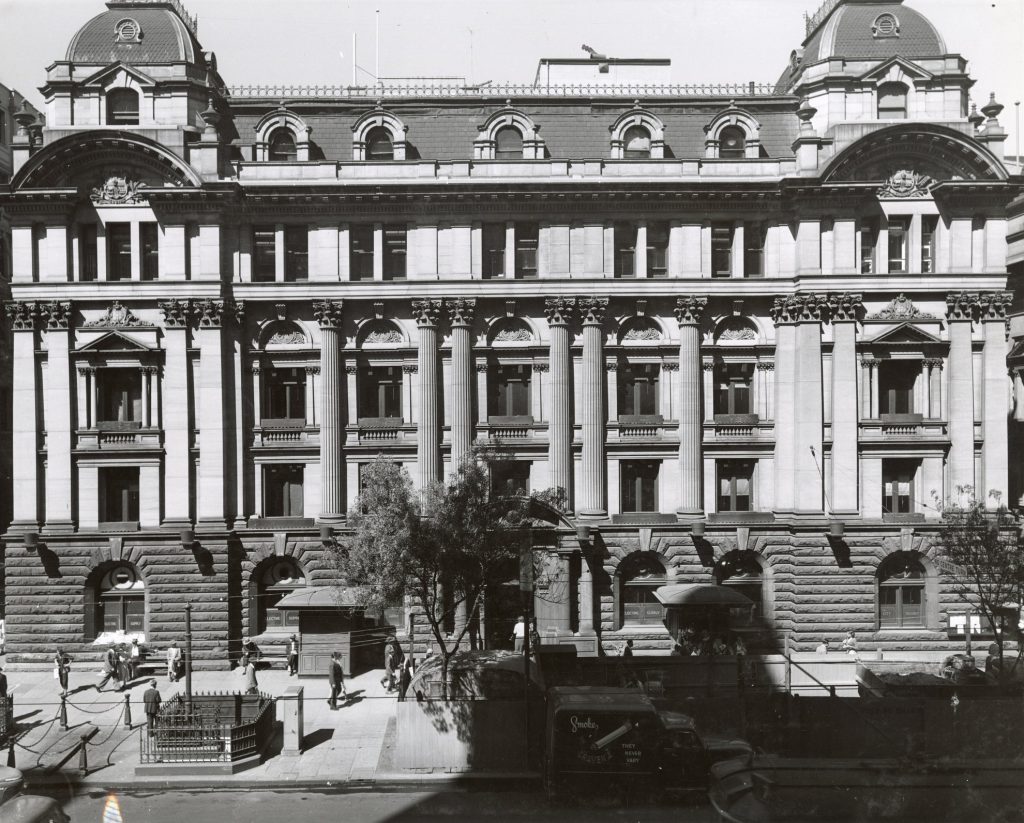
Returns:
<point x="443" y="547"/>
<point x="981" y="551"/>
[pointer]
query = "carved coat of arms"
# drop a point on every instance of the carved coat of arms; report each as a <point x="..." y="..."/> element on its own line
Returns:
<point x="117" y="191"/>
<point x="905" y="183"/>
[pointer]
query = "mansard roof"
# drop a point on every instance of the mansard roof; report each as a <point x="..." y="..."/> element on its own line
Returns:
<point x="164" y="36"/>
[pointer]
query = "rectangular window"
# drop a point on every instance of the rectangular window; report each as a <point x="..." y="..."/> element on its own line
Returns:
<point x="296" y="253"/>
<point x="868" y="241"/>
<point x="119" y="251"/>
<point x="625" y="249"/>
<point x="510" y="478"/>
<point x="119" y="396"/>
<point x="638" y="389"/>
<point x="639" y="481"/>
<point x="360" y="252"/>
<point x="657" y="249"/>
<point x="380" y="392"/>
<point x="493" y="250"/>
<point x="526" y="249"/>
<point x="510" y="396"/>
<point x="394" y="253"/>
<point x="732" y="388"/>
<point x="148" y="237"/>
<point x="119" y="494"/>
<point x="263" y="254"/>
<point x="87" y="252"/>
<point x="898" y="486"/>
<point x="282" y="490"/>
<point x="896" y="379"/>
<point x="721" y="249"/>
<point x="735" y="485"/>
<point x="928" y="225"/>
<point x="753" y="250"/>
<point x="899" y="229"/>
<point x="284" y="394"/>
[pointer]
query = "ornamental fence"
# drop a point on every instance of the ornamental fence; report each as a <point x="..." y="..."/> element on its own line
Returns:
<point x="385" y="90"/>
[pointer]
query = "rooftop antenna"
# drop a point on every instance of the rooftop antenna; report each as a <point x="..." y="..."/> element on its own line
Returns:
<point x="376" y="59"/>
<point x="471" y="54"/>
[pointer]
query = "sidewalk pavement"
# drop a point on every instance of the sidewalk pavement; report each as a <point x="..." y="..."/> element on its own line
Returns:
<point x="345" y="748"/>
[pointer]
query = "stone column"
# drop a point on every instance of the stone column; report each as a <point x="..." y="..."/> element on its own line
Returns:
<point x="845" y="309"/>
<point x="785" y="312"/>
<point x="176" y="413"/>
<point x="148" y="385"/>
<point x="57" y="417"/>
<point x="592" y="311"/>
<point x="689" y="311"/>
<point x="25" y="422"/>
<point x="257" y="393"/>
<point x="428" y="455"/>
<point x="559" y="312"/>
<point x="995" y="448"/>
<point x="352" y="387"/>
<point x="808" y="451"/>
<point x="328" y="314"/>
<point x="586" y="597"/>
<point x="210" y="413"/>
<point x="241" y="510"/>
<point x="311" y="395"/>
<point x="961" y="309"/>
<point x="481" y="393"/>
<point x="460" y="312"/>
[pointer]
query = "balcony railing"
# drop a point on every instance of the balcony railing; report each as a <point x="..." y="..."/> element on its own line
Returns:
<point x="641" y="426"/>
<point x="739" y="426"/>
<point x="382" y="429"/>
<point x="285" y="431"/>
<point x="510" y="427"/>
<point x="909" y="427"/>
<point x="113" y="438"/>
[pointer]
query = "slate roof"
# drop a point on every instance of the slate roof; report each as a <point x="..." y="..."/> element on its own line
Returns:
<point x="165" y="39"/>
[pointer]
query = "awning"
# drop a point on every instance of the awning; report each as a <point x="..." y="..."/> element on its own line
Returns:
<point x="321" y="597"/>
<point x="700" y="594"/>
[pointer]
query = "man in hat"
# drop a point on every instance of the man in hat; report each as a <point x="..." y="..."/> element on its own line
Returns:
<point x="151" y="699"/>
<point x="336" y="679"/>
<point x="293" y="655"/>
<point x="248" y="675"/>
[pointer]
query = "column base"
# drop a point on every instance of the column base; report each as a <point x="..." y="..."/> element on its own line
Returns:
<point x="176" y="523"/>
<point x="240" y="523"/>
<point x="59" y="527"/>
<point x="29" y="526"/>
<point x="324" y="519"/>
<point x="593" y="514"/>
<point x="689" y="515"/>
<point x="211" y="525"/>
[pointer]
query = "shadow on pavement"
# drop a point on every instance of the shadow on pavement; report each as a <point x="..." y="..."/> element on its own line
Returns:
<point x="315" y="738"/>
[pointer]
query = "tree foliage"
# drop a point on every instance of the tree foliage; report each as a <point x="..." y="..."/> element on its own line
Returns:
<point x="983" y="555"/>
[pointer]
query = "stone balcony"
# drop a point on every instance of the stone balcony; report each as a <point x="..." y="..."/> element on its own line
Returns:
<point x="903" y="427"/>
<point x="382" y="430"/>
<point x="636" y="427"/>
<point x="515" y="428"/>
<point x="119" y="436"/>
<point x="741" y="428"/>
<point x="285" y="432"/>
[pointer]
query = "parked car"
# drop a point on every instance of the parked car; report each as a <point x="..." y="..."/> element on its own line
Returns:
<point x="25" y="808"/>
<point x="476" y="675"/>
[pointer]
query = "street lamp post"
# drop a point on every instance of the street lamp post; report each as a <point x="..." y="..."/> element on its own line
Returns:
<point x="188" y="655"/>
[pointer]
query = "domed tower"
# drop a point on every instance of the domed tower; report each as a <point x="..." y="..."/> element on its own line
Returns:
<point x="138" y="66"/>
<point x="866" y="61"/>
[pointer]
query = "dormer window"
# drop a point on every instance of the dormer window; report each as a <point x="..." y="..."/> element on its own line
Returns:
<point x="282" y="146"/>
<point x="379" y="146"/>
<point x="508" y="144"/>
<point x="636" y="143"/>
<point x="123" y="107"/>
<point x="892" y="101"/>
<point x="732" y="143"/>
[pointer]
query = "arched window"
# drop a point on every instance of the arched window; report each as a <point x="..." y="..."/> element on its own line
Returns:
<point x="281" y="146"/>
<point x="636" y="143"/>
<point x="274" y="579"/>
<point x="639" y="576"/>
<point x="741" y="571"/>
<point x="379" y="145"/>
<point x="732" y="142"/>
<point x="115" y="601"/>
<point x="892" y="101"/>
<point x="123" y="107"/>
<point x="901" y="592"/>
<point x="508" y="144"/>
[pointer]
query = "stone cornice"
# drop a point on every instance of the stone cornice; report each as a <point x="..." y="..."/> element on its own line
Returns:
<point x="690" y="310"/>
<point x="328" y="313"/>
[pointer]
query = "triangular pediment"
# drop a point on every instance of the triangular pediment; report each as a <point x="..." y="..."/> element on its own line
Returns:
<point x="910" y="70"/>
<point x="97" y="79"/>
<point x="905" y="333"/>
<point x="115" y="341"/>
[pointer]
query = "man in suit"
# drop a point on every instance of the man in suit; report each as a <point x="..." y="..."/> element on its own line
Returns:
<point x="336" y="678"/>
<point x="151" y="699"/>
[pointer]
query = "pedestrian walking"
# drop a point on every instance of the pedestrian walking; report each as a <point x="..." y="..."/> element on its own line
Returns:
<point x="534" y="635"/>
<point x="151" y="699"/>
<point x="519" y="633"/>
<point x="627" y="650"/>
<point x="293" y="656"/>
<point x="173" y="661"/>
<point x="109" y="667"/>
<point x="388" y="679"/>
<point x="336" y="679"/>
<point x="248" y="675"/>
<point x="61" y="670"/>
<point x="405" y="678"/>
<point x="123" y="675"/>
<point x="134" y="658"/>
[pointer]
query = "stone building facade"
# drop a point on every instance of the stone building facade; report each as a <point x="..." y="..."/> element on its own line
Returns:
<point x="748" y="329"/>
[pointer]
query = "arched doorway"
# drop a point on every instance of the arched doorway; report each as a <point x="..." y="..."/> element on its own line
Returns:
<point x="639" y="576"/>
<point x="115" y="601"/>
<point x="272" y="580"/>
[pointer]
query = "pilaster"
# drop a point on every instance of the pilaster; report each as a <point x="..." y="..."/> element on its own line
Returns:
<point x="176" y="413"/>
<point x="211" y="497"/>
<point x="845" y="310"/>
<point x="689" y="312"/>
<point x="961" y="310"/>
<point x="592" y="312"/>
<point x="24" y="318"/>
<point x="329" y="315"/>
<point x="57" y="416"/>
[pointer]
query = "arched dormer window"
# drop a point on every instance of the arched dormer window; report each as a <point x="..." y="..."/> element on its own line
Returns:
<point x="892" y="101"/>
<point x="733" y="134"/>
<point x="282" y="146"/>
<point x="123" y="107"/>
<point x="637" y="135"/>
<point x="508" y="134"/>
<point x="508" y="144"/>
<point x="636" y="143"/>
<point x="281" y="136"/>
<point x="379" y="136"/>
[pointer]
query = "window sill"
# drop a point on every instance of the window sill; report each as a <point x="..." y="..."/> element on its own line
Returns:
<point x="118" y="526"/>
<point x="118" y="425"/>
<point x="510" y="420"/>
<point x="736" y="419"/>
<point x="722" y="518"/>
<point x="380" y="422"/>
<point x="633" y="518"/>
<point x="901" y="419"/>
<point x="903" y="518"/>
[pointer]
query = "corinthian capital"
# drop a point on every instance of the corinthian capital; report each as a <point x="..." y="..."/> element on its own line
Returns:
<point x="800" y="308"/>
<point x="845" y="306"/>
<point x="592" y="310"/>
<point x="461" y="310"/>
<point x="210" y="313"/>
<point x="177" y="313"/>
<point x="559" y="310"/>
<point x="22" y="315"/>
<point x="56" y="313"/>
<point x="962" y="305"/>
<point x="690" y="310"/>
<point x="994" y="304"/>
<point x="328" y="313"/>
<point x="426" y="312"/>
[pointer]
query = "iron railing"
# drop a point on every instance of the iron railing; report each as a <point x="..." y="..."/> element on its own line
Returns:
<point x="6" y="716"/>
